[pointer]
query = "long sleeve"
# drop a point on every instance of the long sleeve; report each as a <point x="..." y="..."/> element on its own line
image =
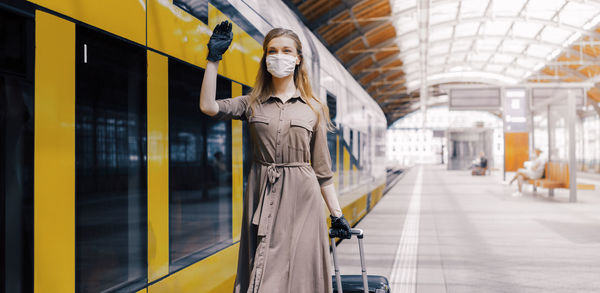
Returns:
<point x="234" y="108"/>
<point x="319" y="151"/>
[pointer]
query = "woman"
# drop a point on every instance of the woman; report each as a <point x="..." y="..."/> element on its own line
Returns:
<point x="533" y="170"/>
<point x="284" y="244"/>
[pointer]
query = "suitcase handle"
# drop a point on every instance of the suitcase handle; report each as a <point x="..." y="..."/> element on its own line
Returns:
<point x="359" y="234"/>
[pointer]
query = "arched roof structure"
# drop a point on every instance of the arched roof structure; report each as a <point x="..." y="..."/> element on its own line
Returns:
<point x="389" y="45"/>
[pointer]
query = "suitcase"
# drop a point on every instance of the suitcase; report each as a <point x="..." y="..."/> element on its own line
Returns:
<point x="357" y="283"/>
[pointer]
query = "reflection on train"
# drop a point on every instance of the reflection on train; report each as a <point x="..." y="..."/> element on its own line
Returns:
<point x="135" y="189"/>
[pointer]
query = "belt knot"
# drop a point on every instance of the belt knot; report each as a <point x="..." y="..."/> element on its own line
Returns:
<point x="273" y="173"/>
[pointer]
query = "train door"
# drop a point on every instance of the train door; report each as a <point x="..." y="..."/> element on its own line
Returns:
<point x="332" y="135"/>
<point x="16" y="150"/>
<point x="110" y="163"/>
<point x="200" y="170"/>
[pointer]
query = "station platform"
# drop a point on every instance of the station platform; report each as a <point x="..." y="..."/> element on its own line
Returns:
<point x="448" y="231"/>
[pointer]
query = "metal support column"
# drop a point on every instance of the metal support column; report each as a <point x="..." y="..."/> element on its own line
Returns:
<point x="423" y="17"/>
<point x="550" y="141"/>
<point x="571" y="120"/>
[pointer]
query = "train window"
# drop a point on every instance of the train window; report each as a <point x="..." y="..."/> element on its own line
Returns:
<point x="16" y="151"/>
<point x="332" y="105"/>
<point x="199" y="170"/>
<point x="13" y="37"/>
<point x="110" y="164"/>
<point x="197" y="8"/>
<point x="332" y="136"/>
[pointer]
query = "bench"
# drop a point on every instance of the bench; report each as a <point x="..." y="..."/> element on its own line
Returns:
<point x="556" y="175"/>
<point x="478" y="171"/>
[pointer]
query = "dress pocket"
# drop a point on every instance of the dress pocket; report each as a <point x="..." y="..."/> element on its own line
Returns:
<point x="300" y="132"/>
<point x="299" y="140"/>
<point x="301" y="123"/>
<point x="259" y="119"/>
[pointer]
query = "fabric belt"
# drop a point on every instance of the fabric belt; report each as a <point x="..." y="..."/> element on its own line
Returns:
<point x="260" y="218"/>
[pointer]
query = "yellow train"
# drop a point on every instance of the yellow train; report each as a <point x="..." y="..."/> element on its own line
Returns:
<point x="112" y="179"/>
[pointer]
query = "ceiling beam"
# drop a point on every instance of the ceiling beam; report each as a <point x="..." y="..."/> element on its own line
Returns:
<point x="508" y="32"/>
<point x="359" y="33"/>
<point x="568" y="50"/>
<point x="374" y="50"/>
<point x="389" y="82"/>
<point x="483" y="19"/>
<point x="364" y="55"/>
<point x="573" y="72"/>
<point x="391" y="92"/>
<point x="457" y="16"/>
<point x="335" y="12"/>
<point x="379" y="66"/>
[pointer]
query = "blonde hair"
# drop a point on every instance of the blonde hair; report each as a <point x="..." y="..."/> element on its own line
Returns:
<point x="263" y="86"/>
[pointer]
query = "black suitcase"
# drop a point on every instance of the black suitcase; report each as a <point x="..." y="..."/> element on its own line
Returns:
<point x="357" y="283"/>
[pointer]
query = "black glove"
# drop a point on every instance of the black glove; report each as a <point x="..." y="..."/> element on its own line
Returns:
<point x="340" y="227"/>
<point x="219" y="41"/>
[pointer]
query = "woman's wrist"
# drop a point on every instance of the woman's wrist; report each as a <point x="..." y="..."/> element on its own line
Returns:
<point x="336" y="213"/>
<point x="212" y="63"/>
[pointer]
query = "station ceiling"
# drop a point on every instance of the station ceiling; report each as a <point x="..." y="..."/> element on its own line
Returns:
<point x="388" y="45"/>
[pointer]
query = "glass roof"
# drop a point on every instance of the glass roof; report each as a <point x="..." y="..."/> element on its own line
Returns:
<point x="492" y="41"/>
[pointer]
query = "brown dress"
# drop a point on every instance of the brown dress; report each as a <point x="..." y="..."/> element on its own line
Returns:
<point x="284" y="244"/>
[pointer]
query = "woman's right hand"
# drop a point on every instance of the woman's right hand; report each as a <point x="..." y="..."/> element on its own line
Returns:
<point x="219" y="41"/>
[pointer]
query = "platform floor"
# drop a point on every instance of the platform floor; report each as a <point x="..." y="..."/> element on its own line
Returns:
<point x="446" y="231"/>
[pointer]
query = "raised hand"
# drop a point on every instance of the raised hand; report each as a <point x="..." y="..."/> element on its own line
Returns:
<point x="219" y="41"/>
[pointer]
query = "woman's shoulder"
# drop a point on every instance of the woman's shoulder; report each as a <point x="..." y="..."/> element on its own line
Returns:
<point x="242" y="97"/>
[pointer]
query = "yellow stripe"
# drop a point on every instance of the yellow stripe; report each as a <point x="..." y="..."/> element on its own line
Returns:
<point x="336" y="175"/>
<point x="356" y="210"/>
<point x="237" y="159"/>
<point x="215" y="274"/>
<point x="346" y="168"/>
<point x="158" y="166"/>
<point x="142" y="291"/>
<point x="123" y="18"/>
<point x="177" y="33"/>
<point x="586" y="186"/>
<point x="244" y="50"/>
<point x="54" y="166"/>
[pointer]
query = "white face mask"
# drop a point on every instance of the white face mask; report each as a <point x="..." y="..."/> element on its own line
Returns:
<point x="281" y="65"/>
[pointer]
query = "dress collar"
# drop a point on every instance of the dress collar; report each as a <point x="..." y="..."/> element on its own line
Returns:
<point x="296" y="95"/>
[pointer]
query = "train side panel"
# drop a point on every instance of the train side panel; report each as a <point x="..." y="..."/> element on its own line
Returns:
<point x="173" y="231"/>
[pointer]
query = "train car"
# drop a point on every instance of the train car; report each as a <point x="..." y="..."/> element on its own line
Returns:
<point x="112" y="178"/>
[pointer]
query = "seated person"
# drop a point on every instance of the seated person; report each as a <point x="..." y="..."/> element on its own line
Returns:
<point x="480" y="167"/>
<point x="533" y="170"/>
